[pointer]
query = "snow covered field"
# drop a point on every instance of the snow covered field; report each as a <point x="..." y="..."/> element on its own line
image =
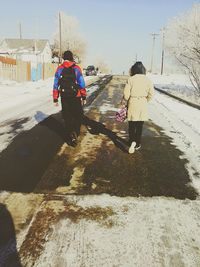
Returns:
<point x="176" y="84"/>
<point x="182" y="123"/>
<point x="179" y="121"/>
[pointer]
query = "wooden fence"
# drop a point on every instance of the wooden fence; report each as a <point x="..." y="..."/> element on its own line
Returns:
<point x="49" y="70"/>
<point x="20" y="71"/>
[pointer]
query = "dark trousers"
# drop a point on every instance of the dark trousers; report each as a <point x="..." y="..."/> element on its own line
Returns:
<point x="72" y="112"/>
<point x="135" y="131"/>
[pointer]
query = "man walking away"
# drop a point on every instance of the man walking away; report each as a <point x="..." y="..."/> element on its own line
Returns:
<point x="70" y="85"/>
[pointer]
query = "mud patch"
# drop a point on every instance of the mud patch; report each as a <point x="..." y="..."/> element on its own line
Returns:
<point x="51" y="213"/>
<point x="101" y="215"/>
<point x="36" y="238"/>
<point x="64" y="173"/>
<point x="140" y="174"/>
<point x="75" y="182"/>
<point x="58" y="174"/>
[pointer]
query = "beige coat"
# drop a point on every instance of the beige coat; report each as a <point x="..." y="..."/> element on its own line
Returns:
<point x="138" y="91"/>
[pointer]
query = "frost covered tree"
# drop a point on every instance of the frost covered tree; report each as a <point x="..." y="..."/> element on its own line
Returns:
<point x="102" y="66"/>
<point x="183" y="42"/>
<point x="71" y="38"/>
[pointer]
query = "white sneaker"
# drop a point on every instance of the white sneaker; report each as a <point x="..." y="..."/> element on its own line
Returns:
<point x="132" y="148"/>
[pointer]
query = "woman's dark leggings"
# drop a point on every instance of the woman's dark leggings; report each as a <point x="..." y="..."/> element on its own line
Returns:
<point x="135" y="131"/>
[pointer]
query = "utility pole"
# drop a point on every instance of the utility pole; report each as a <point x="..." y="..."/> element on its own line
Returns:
<point x="60" y="38"/>
<point x="36" y="34"/>
<point x="20" y="30"/>
<point x="154" y="35"/>
<point x="163" y="51"/>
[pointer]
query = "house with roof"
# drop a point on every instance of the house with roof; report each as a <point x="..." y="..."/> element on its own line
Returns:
<point x="34" y="51"/>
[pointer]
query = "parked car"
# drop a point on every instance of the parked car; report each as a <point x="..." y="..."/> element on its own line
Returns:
<point x="90" y="71"/>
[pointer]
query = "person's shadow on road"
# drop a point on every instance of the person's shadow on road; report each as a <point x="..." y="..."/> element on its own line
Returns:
<point x="9" y="256"/>
<point x="95" y="127"/>
<point x="55" y="124"/>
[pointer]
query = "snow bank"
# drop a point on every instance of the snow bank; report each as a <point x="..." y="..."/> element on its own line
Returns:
<point x="182" y="123"/>
<point x="177" y="84"/>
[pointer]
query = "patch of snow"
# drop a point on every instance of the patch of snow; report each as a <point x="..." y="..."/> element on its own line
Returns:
<point x="138" y="232"/>
<point x="92" y="89"/>
<point x="172" y="79"/>
<point x="182" y="123"/>
<point x="176" y="84"/>
<point x="107" y="107"/>
<point x="3" y="196"/>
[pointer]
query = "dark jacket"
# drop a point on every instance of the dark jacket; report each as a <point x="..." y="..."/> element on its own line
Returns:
<point x="79" y="79"/>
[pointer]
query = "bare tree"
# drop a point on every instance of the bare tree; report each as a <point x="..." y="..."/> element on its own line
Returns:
<point x="71" y="37"/>
<point x="183" y="42"/>
<point x="102" y="66"/>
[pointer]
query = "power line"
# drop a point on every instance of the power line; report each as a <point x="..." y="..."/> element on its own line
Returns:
<point x="20" y="30"/>
<point x="60" y="38"/>
<point x="163" y="51"/>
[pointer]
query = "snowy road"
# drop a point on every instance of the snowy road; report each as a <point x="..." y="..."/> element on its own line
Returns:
<point x="102" y="206"/>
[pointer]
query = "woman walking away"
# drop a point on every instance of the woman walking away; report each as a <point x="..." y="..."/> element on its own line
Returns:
<point x="138" y="91"/>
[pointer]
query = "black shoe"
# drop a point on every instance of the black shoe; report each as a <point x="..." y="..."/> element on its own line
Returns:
<point x="74" y="140"/>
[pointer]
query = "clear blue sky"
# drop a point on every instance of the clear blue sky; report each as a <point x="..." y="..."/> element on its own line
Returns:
<point x="115" y="30"/>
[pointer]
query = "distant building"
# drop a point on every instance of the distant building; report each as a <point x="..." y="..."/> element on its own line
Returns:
<point x="35" y="51"/>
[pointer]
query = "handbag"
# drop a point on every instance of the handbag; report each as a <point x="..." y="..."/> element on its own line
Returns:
<point x="121" y="115"/>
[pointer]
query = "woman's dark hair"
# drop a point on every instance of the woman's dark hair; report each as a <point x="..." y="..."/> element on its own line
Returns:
<point x="68" y="55"/>
<point x="137" y="68"/>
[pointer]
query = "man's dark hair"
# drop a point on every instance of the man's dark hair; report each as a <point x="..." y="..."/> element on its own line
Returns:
<point x="68" y="55"/>
<point x="137" y="68"/>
